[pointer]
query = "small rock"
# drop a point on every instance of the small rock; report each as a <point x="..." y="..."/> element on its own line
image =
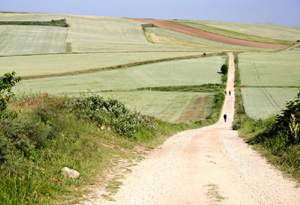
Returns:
<point x="70" y="173"/>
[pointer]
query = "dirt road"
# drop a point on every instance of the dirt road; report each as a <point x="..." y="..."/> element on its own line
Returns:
<point x="211" y="165"/>
<point x="209" y="35"/>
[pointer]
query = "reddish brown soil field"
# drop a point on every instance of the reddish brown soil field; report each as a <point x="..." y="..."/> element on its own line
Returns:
<point x="208" y="35"/>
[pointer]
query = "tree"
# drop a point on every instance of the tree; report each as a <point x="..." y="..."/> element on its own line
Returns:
<point x="6" y="83"/>
<point x="224" y="69"/>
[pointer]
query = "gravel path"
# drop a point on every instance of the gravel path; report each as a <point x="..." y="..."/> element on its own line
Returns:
<point x="211" y="165"/>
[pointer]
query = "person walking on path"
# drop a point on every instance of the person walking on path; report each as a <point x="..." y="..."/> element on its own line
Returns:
<point x="229" y="92"/>
<point x="225" y="117"/>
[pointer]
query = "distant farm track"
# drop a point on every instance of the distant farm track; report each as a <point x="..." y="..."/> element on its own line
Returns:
<point x="208" y="35"/>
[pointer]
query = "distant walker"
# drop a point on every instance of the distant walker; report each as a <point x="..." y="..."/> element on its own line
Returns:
<point x="225" y="117"/>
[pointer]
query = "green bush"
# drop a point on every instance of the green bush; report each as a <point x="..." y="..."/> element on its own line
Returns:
<point x="224" y="69"/>
<point x="280" y="134"/>
<point x="111" y="113"/>
<point x="6" y="84"/>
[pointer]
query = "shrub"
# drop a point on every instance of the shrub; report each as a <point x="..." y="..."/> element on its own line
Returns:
<point x="110" y="113"/>
<point x="6" y="83"/>
<point x="284" y="132"/>
<point x="224" y="69"/>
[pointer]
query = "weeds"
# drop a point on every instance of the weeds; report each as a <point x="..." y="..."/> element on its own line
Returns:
<point x="40" y="134"/>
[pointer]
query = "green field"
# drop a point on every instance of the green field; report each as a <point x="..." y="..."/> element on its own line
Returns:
<point x="252" y="32"/>
<point x="267" y="79"/>
<point x="270" y="69"/>
<point x="184" y="72"/>
<point x="93" y="42"/>
<point x="169" y="37"/>
<point x="266" y="102"/>
<point x="30" y="16"/>
<point x="167" y="106"/>
<point x="53" y="64"/>
<point x="106" y="34"/>
<point x="288" y="33"/>
<point x="23" y="40"/>
<point x="105" y="30"/>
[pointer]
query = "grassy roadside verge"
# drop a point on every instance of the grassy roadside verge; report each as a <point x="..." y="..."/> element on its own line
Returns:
<point x="99" y="138"/>
<point x="275" y="138"/>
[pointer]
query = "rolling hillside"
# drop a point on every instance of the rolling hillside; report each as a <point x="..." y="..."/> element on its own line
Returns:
<point x="92" y="43"/>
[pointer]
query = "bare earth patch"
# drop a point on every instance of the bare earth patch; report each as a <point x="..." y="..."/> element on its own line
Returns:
<point x="193" y="113"/>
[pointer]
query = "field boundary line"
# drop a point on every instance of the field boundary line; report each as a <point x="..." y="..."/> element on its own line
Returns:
<point x="97" y="52"/>
<point x="122" y="66"/>
<point x="290" y="47"/>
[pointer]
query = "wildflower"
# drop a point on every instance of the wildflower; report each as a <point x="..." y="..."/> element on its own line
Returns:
<point x="53" y="179"/>
<point x="59" y="111"/>
<point x="21" y="179"/>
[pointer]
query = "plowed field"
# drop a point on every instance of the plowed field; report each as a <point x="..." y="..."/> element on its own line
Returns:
<point x="210" y="36"/>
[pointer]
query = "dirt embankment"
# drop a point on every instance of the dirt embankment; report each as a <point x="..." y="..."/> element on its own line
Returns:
<point x="210" y="36"/>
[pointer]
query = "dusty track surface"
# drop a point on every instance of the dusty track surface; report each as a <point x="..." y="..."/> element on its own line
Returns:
<point x="210" y="36"/>
<point x="211" y="165"/>
<point x="290" y="48"/>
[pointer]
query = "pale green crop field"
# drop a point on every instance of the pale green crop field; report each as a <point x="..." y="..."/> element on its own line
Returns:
<point x="105" y="30"/>
<point x="289" y="33"/>
<point x="23" y="40"/>
<point x="53" y="64"/>
<point x="270" y="69"/>
<point x="165" y="36"/>
<point x="266" y="102"/>
<point x="85" y="34"/>
<point x="174" y="73"/>
<point x="281" y="34"/>
<point x="167" y="106"/>
<point x="107" y="34"/>
<point x="29" y="16"/>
